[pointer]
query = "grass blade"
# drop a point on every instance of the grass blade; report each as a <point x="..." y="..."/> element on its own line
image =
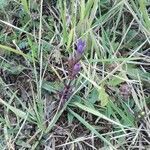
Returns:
<point x="90" y="127"/>
<point x="97" y="113"/>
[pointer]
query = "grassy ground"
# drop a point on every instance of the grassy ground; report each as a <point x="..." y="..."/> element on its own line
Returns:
<point x="106" y="106"/>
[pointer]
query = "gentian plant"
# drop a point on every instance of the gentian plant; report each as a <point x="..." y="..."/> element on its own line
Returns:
<point x="74" y="68"/>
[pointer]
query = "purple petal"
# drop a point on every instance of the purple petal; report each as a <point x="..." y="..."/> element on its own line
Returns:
<point x="80" y="46"/>
<point x="76" y="69"/>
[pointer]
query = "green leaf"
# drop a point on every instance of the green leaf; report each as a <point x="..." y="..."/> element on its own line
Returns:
<point x="3" y="47"/>
<point x="90" y="127"/>
<point x="145" y="14"/>
<point x="52" y="86"/>
<point x="34" y="48"/>
<point x="103" y="96"/>
<point x="3" y="3"/>
<point x="70" y="118"/>
<point x="25" y="6"/>
<point x="23" y="144"/>
<point x="126" y="119"/>
<point x="114" y="81"/>
<point x="135" y="72"/>
<point x="12" y="69"/>
<point x="97" y="113"/>
<point x="88" y="7"/>
<point x="70" y="38"/>
<point x="93" y="96"/>
<point x="18" y="112"/>
<point x="63" y="12"/>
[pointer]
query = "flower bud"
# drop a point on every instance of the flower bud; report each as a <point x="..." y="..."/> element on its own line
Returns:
<point x="76" y="69"/>
<point x="80" y="46"/>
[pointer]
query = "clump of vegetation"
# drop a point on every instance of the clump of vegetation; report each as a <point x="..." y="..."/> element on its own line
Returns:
<point x="74" y="74"/>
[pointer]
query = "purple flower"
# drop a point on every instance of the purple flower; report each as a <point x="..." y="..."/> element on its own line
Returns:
<point x="80" y="46"/>
<point x="76" y="69"/>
